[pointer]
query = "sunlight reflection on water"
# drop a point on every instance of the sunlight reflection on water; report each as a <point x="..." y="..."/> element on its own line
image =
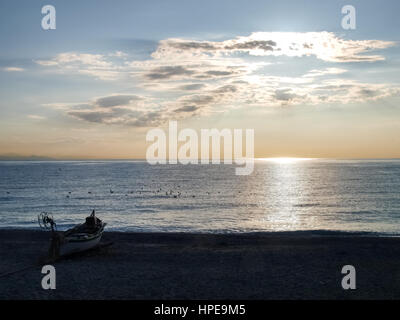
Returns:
<point x="280" y="195"/>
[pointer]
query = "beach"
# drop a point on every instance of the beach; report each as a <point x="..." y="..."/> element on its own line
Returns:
<point x="279" y="265"/>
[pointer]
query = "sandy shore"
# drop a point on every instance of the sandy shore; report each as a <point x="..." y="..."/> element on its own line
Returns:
<point x="299" y="265"/>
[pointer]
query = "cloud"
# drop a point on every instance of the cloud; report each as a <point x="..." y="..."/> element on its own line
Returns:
<point x="177" y="59"/>
<point x="187" y="109"/>
<point x="185" y="78"/>
<point x="168" y="72"/>
<point x="285" y="95"/>
<point x="185" y="59"/>
<point x="69" y="58"/>
<point x="92" y="115"/>
<point x="191" y="86"/>
<point x="323" y="72"/>
<point x="119" y="117"/>
<point x="107" y="75"/>
<point x="119" y="54"/>
<point x="35" y="117"/>
<point x="323" y="45"/>
<point x="207" y="102"/>
<point x="116" y="100"/>
<point x="138" y="111"/>
<point x="265" y="45"/>
<point x="134" y="110"/>
<point x="100" y="66"/>
<point x="350" y="91"/>
<point x="116" y="109"/>
<point x="13" y="69"/>
<point x="203" y="71"/>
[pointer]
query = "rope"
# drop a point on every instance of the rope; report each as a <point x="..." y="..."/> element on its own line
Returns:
<point x="19" y="270"/>
<point x="103" y="245"/>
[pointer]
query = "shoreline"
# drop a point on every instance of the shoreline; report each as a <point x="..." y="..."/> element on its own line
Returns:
<point x="277" y="265"/>
<point x="288" y="233"/>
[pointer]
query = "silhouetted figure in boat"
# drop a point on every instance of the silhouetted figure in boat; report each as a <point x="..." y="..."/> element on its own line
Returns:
<point x="91" y="221"/>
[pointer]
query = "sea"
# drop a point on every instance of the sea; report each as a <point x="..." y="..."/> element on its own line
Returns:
<point x="307" y="195"/>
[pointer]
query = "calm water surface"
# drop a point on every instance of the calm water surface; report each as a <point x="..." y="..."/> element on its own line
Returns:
<point x="135" y="196"/>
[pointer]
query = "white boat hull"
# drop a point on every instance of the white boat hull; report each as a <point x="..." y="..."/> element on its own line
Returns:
<point x="73" y="245"/>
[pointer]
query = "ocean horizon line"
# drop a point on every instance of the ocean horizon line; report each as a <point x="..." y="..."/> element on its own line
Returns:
<point x="49" y="159"/>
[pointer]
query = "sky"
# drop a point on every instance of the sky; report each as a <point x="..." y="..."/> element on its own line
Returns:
<point x="113" y="70"/>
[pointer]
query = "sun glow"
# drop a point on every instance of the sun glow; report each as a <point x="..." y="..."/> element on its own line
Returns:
<point x="285" y="160"/>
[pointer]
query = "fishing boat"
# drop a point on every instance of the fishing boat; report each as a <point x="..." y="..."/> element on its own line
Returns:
<point x="80" y="238"/>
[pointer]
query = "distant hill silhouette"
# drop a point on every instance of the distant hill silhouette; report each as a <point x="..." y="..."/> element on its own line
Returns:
<point x="17" y="157"/>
